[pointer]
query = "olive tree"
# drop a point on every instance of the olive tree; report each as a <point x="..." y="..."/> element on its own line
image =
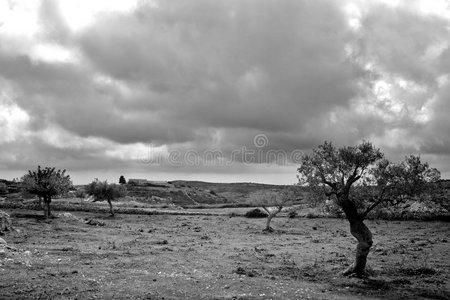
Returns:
<point x="46" y="183"/>
<point x="273" y="202"/>
<point x="102" y="190"/>
<point x="359" y="179"/>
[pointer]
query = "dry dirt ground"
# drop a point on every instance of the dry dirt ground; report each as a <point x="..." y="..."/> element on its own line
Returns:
<point x="217" y="257"/>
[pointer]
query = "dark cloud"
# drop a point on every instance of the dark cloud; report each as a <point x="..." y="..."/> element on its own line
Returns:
<point x="224" y="67"/>
<point x="198" y="75"/>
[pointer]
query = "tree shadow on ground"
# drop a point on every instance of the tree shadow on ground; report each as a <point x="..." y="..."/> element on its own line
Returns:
<point x="402" y="285"/>
<point x="37" y="216"/>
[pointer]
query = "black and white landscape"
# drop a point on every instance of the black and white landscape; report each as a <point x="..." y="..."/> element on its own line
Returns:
<point x="224" y="149"/>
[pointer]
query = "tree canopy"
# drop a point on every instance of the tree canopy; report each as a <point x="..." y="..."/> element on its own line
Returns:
<point x="47" y="183"/>
<point x="102" y="190"/>
<point x="362" y="175"/>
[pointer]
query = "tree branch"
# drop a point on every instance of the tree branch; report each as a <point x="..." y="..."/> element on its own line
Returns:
<point x="380" y="200"/>
<point x="329" y="183"/>
<point x="279" y="208"/>
<point x="370" y="208"/>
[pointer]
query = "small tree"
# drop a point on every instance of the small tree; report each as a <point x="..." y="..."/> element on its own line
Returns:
<point x="47" y="183"/>
<point x="358" y="179"/>
<point x="122" y="180"/>
<point x="102" y="190"/>
<point x="273" y="202"/>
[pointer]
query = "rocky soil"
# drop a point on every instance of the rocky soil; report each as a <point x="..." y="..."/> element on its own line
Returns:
<point x="82" y="255"/>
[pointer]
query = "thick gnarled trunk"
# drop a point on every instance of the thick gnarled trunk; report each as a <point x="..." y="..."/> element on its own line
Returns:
<point x="360" y="231"/>
<point x="362" y="234"/>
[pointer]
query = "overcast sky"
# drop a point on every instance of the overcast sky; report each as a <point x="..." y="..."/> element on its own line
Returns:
<point x="217" y="90"/>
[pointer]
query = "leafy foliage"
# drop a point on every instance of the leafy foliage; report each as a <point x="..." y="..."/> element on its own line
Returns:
<point x="333" y="171"/>
<point x="391" y="184"/>
<point x="366" y="178"/>
<point x="122" y="180"/>
<point x="47" y="183"/>
<point x="102" y="190"/>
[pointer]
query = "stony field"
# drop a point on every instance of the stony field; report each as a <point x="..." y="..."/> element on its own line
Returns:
<point x="83" y="255"/>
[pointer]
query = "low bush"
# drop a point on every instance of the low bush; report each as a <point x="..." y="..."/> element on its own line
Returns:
<point x="312" y="215"/>
<point x="256" y="213"/>
<point x="292" y="214"/>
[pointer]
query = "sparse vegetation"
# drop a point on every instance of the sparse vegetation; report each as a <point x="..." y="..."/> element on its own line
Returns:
<point x="145" y="243"/>
<point x="140" y="256"/>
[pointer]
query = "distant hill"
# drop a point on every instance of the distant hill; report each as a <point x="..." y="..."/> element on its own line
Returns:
<point x="168" y="192"/>
<point x="183" y="192"/>
<point x="238" y="192"/>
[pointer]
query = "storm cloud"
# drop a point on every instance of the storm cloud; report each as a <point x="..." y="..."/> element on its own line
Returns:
<point x="200" y="75"/>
